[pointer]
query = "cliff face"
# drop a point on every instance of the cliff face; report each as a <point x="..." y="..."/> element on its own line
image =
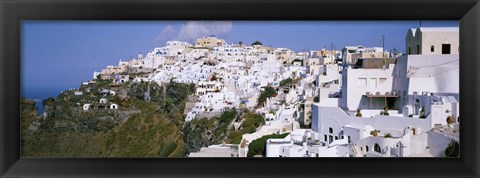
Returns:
<point x="203" y="132"/>
<point x="28" y="113"/>
<point x="147" y="123"/>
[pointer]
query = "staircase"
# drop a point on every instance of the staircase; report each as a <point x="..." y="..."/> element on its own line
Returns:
<point x="354" y="148"/>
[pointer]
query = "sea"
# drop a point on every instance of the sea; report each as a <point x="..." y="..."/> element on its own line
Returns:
<point x="38" y="94"/>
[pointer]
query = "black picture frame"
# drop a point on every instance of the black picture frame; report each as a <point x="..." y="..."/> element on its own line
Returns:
<point x="14" y="11"/>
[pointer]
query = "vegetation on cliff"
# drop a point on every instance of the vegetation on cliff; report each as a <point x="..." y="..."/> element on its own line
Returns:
<point x="250" y="124"/>
<point x="257" y="147"/>
<point x="148" y="123"/>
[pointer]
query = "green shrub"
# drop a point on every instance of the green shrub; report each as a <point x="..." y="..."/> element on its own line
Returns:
<point x="257" y="43"/>
<point x="359" y="114"/>
<point x="422" y="113"/>
<point x="453" y="149"/>
<point x="257" y="147"/>
<point x="374" y="132"/>
<point x="385" y="111"/>
<point x="286" y="82"/>
<point x="267" y="93"/>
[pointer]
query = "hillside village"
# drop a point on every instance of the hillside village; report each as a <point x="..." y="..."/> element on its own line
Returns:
<point x="355" y="102"/>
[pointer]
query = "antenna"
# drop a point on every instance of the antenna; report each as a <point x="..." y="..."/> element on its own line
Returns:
<point x="383" y="46"/>
<point x="332" y="53"/>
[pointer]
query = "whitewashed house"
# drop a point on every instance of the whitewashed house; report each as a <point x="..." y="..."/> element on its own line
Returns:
<point x="113" y="106"/>
<point x="368" y="88"/>
<point x="433" y="40"/>
<point x="86" y="106"/>
<point x="103" y="100"/>
<point x="350" y="54"/>
<point x="426" y="97"/>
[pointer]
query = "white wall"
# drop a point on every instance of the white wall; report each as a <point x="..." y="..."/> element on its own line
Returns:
<point x="438" y="142"/>
<point x="360" y="81"/>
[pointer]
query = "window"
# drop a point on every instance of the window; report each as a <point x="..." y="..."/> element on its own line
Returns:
<point x="373" y="83"/>
<point x="349" y="139"/>
<point x="432" y="49"/>
<point x="377" y="148"/>
<point x="445" y="48"/>
<point x="330" y="130"/>
<point x="366" y="148"/>
<point x="336" y="137"/>
<point x="362" y="82"/>
<point x="418" y="49"/>
<point x="382" y="80"/>
<point x="325" y="137"/>
<point x="409" y="50"/>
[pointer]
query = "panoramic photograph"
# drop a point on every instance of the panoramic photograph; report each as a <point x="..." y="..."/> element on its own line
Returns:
<point x="158" y="89"/>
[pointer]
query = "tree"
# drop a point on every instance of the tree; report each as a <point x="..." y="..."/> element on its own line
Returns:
<point x="286" y="82"/>
<point x="385" y="111"/>
<point x="374" y="132"/>
<point x="267" y="93"/>
<point x="297" y="60"/>
<point x="257" y="147"/>
<point x="359" y="114"/>
<point x="240" y="43"/>
<point x="422" y="113"/>
<point x="453" y="149"/>
<point x="257" y="43"/>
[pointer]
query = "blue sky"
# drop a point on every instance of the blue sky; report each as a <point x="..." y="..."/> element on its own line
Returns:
<point x="58" y="55"/>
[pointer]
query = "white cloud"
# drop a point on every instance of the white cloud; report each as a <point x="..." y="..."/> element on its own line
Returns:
<point x="197" y="29"/>
<point x="167" y="33"/>
<point x="192" y="30"/>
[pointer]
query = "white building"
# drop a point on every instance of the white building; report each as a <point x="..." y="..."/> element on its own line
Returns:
<point x="433" y="40"/>
<point x="119" y="79"/>
<point x="86" y="107"/>
<point x="222" y="150"/>
<point x="301" y="143"/>
<point x="113" y="106"/>
<point x="423" y="92"/>
<point x="350" y="54"/>
<point x="368" y="88"/>
<point x="103" y="100"/>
